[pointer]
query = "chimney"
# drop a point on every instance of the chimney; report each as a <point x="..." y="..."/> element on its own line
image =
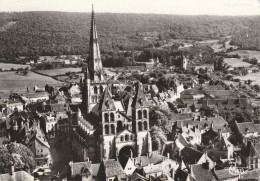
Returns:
<point x="71" y="167"/>
<point x="150" y="178"/>
<point x="206" y="165"/>
<point x="12" y="170"/>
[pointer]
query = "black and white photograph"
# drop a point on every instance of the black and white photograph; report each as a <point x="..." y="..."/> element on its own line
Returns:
<point x="129" y="90"/>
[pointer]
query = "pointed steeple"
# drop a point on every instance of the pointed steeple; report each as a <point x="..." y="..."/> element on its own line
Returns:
<point x="139" y="98"/>
<point x="94" y="61"/>
<point x="106" y="102"/>
<point x="87" y="76"/>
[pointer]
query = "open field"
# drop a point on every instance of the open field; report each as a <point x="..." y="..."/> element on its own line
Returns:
<point x="236" y="62"/>
<point x="54" y="72"/>
<point x="255" y="77"/>
<point x="12" y="82"/>
<point x="8" y="66"/>
<point x="246" y="54"/>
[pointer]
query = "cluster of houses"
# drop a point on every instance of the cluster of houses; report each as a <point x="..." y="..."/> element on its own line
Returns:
<point x="108" y="126"/>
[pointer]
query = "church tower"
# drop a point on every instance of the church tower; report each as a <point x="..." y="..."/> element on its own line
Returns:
<point x="108" y="126"/>
<point x="140" y="116"/>
<point x="94" y="60"/>
<point x="94" y="83"/>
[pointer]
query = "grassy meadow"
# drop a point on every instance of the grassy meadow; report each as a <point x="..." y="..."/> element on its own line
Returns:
<point x="12" y="82"/>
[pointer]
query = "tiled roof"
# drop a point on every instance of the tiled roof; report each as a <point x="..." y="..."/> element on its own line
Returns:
<point x="17" y="176"/>
<point x="181" y="175"/>
<point x="220" y="94"/>
<point x="137" y="177"/>
<point x="78" y="167"/>
<point x="94" y="168"/>
<point x="37" y="94"/>
<point x="246" y="126"/>
<point x="227" y="103"/>
<point x="139" y="98"/>
<point x="106" y="103"/>
<point x="14" y="102"/>
<point x="252" y="174"/>
<point x="55" y="107"/>
<point x="177" y="117"/>
<point x="200" y="173"/>
<point x="190" y="155"/>
<point x="216" y="123"/>
<point x="209" y="135"/>
<point x="193" y="91"/>
<point x="152" y="159"/>
<point x="152" y="169"/>
<point x="224" y="174"/>
<point x="112" y="168"/>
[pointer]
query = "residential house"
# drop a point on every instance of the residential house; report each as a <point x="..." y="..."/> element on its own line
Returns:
<point x="191" y="156"/>
<point x="225" y="175"/>
<point x="201" y="172"/>
<point x="13" y="105"/>
<point x="110" y="170"/>
<point x="192" y="134"/>
<point x="16" y="176"/>
<point x="247" y="129"/>
<point x="74" y="89"/>
<point x="82" y="171"/>
<point x="35" y="97"/>
<point x="253" y="160"/>
<point x="127" y="165"/>
<point x="194" y="94"/>
<point x="39" y="145"/>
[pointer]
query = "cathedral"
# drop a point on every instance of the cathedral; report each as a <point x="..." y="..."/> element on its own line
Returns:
<point x="105" y="127"/>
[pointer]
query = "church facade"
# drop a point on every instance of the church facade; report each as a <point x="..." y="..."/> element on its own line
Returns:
<point x="105" y="127"/>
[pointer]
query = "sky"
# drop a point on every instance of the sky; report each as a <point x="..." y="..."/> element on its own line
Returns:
<point x="182" y="7"/>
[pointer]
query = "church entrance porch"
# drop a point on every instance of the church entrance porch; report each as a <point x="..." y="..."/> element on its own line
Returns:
<point x="125" y="153"/>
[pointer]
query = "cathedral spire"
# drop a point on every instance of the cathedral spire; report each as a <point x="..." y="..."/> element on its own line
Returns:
<point x="94" y="61"/>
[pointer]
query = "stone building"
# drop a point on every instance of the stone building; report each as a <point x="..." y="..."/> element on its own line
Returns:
<point x="106" y="128"/>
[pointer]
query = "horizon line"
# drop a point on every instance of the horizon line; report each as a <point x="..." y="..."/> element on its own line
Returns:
<point x="253" y="15"/>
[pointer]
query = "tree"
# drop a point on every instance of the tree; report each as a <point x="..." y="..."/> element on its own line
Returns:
<point x="18" y="155"/>
<point x="158" y="138"/>
<point x="25" y="72"/>
<point x="257" y="88"/>
<point x="160" y="118"/>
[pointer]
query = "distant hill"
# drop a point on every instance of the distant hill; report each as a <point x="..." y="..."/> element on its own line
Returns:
<point x="54" y="33"/>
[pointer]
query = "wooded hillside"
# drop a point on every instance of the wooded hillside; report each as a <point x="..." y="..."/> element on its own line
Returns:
<point x="54" y="33"/>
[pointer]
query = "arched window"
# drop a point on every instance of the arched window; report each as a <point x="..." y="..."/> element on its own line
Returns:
<point x="145" y="114"/>
<point x="106" y="117"/>
<point x="122" y="138"/>
<point x="139" y="114"/>
<point x="112" y="129"/>
<point x="140" y="126"/>
<point x="95" y="90"/>
<point x="106" y="129"/>
<point x="119" y="126"/>
<point x="127" y="137"/>
<point x="101" y="89"/>
<point x="112" y="117"/>
<point x="93" y="99"/>
<point x="132" y="137"/>
<point x="145" y="125"/>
